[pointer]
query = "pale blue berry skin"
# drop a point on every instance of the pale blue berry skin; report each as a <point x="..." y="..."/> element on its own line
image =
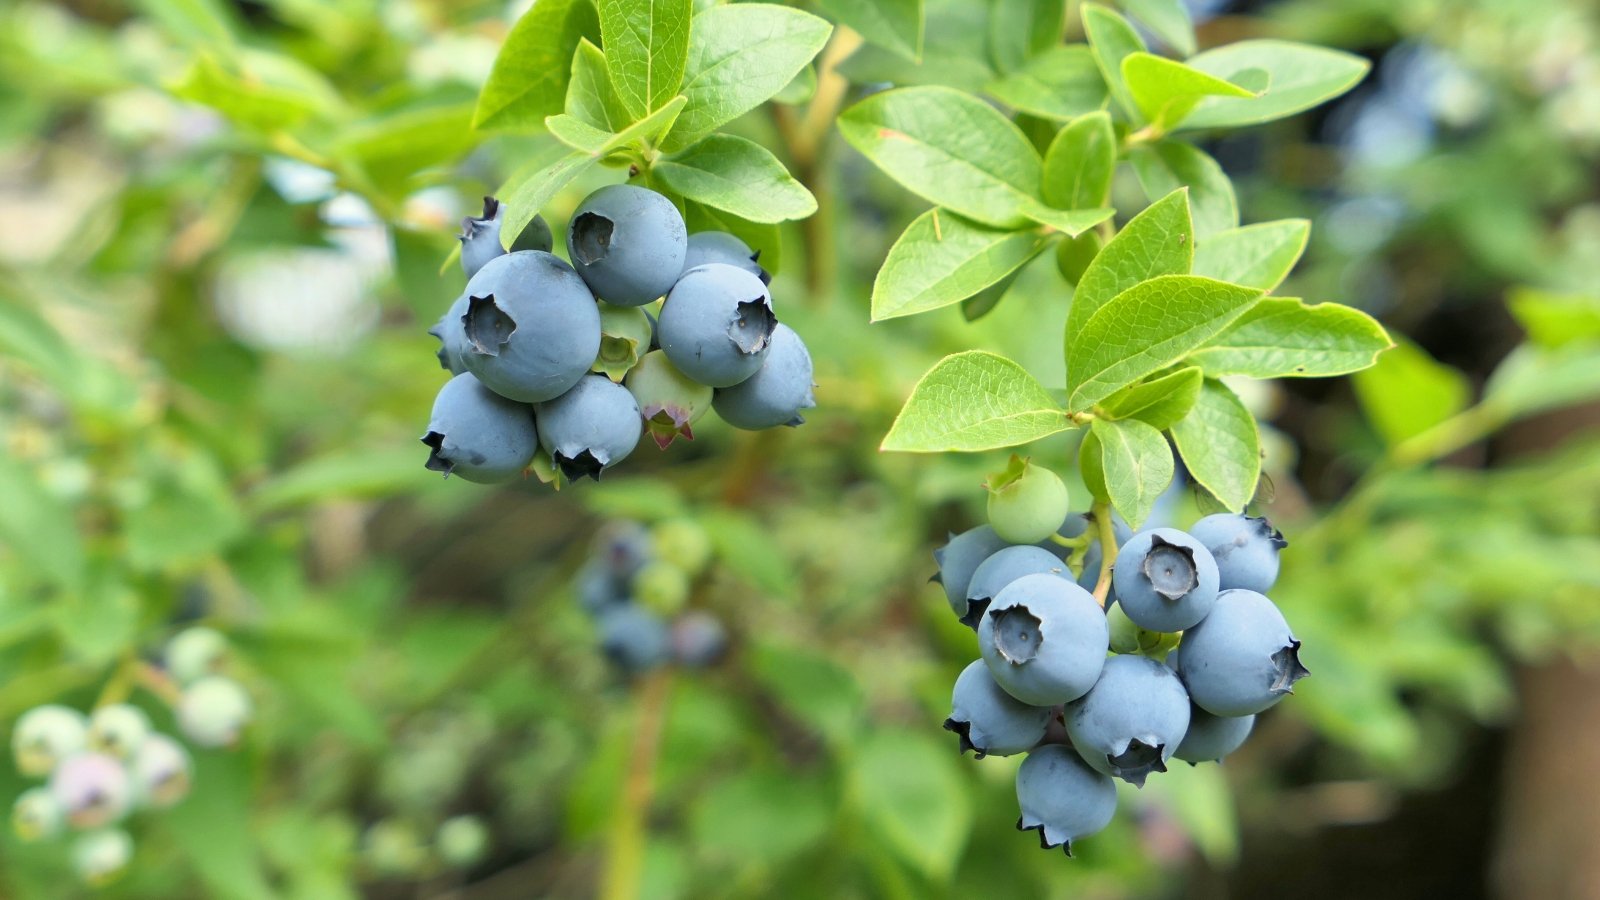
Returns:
<point x="532" y="328"/>
<point x="1000" y="569"/>
<point x="699" y="639"/>
<point x="717" y="325"/>
<point x="1165" y="580"/>
<point x="1044" y="640"/>
<point x="1242" y="659"/>
<point x="590" y="428"/>
<point x="452" y="335"/>
<point x="989" y="721"/>
<point x="628" y="243"/>
<point x="598" y="591"/>
<point x="478" y="435"/>
<point x="1245" y="548"/>
<point x="634" y="638"/>
<point x="536" y="236"/>
<point x="1132" y="720"/>
<point x="480" y="237"/>
<point x="722" y="247"/>
<point x="959" y="558"/>
<point x="776" y="393"/>
<point x="1210" y="738"/>
<point x="1062" y="798"/>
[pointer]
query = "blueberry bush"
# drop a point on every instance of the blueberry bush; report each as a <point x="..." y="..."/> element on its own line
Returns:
<point x="1193" y="345"/>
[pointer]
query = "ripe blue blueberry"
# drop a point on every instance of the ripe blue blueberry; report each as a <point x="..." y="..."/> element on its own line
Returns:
<point x="622" y="548"/>
<point x="722" y="247"/>
<point x="1242" y="659"/>
<point x="1165" y="580"/>
<point x="46" y="735"/>
<point x="628" y="243"/>
<point x="1210" y="738"/>
<point x="119" y="730"/>
<point x="717" y="324"/>
<point x="536" y="236"/>
<point x="634" y="638"/>
<point x="213" y="711"/>
<point x="776" y="393"/>
<point x="479" y="435"/>
<point x="480" y="237"/>
<point x="959" y="558"/>
<point x="990" y="721"/>
<point x="91" y="789"/>
<point x="36" y="815"/>
<point x="161" y="772"/>
<point x="532" y="327"/>
<point x="670" y="401"/>
<point x="1044" y="639"/>
<point x="452" y="335"/>
<point x="699" y="639"/>
<point x="1027" y="502"/>
<point x="1245" y="547"/>
<point x="195" y="652"/>
<point x="598" y="591"/>
<point x="1132" y="720"/>
<point x="100" y="856"/>
<point x="1000" y="569"/>
<point x="590" y="428"/>
<point x="1062" y="798"/>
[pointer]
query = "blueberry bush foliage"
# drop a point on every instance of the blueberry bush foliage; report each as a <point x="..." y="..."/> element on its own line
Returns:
<point x="1131" y="241"/>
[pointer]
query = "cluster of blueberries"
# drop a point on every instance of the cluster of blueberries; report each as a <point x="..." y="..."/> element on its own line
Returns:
<point x="578" y="360"/>
<point x="100" y="767"/>
<point x="637" y="584"/>
<point x="1186" y="652"/>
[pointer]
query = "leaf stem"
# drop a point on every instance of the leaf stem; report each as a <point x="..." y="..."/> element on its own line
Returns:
<point x="1100" y="513"/>
<point x="626" y="839"/>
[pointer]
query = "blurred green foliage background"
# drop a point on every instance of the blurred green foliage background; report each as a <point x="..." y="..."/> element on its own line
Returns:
<point x="221" y="228"/>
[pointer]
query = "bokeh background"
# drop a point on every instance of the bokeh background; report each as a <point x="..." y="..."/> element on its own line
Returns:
<point x="214" y="293"/>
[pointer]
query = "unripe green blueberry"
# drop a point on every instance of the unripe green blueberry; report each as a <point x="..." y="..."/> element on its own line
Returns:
<point x="392" y="848"/>
<point x="45" y="735"/>
<point x="36" y="815"/>
<point x="535" y="236"/>
<point x="1073" y="255"/>
<point x="91" y="789"/>
<point x="162" y="772"/>
<point x="668" y="399"/>
<point x="213" y="711"/>
<point x="1027" y="503"/>
<point x="683" y="543"/>
<point x="100" y="856"/>
<point x="462" y="841"/>
<point x="624" y="338"/>
<point x="195" y="653"/>
<point x="662" y="586"/>
<point x="119" y="730"/>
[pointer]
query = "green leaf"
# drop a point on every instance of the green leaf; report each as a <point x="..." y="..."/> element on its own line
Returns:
<point x="942" y="258"/>
<point x="38" y="528"/>
<point x="578" y="134"/>
<point x="1258" y="256"/>
<point x="740" y="176"/>
<point x="646" y="48"/>
<point x="599" y="145"/>
<point x="1166" y="90"/>
<point x="1022" y="29"/>
<point x="983" y="302"/>
<point x="800" y="88"/>
<point x="739" y="55"/>
<point x="1080" y="162"/>
<point x="1060" y="83"/>
<point x="912" y="794"/>
<point x="1286" y="338"/>
<point x="1167" y="20"/>
<point x="1534" y="379"/>
<point x="1146" y="328"/>
<point x="1299" y="76"/>
<point x="1112" y="39"/>
<point x="1220" y="445"/>
<point x="590" y="96"/>
<point x="1554" y="320"/>
<point x="530" y="74"/>
<point x="251" y="100"/>
<point x="974" y="401"/>
<point x="811" y="687"/>
<point x="1136" y="464"/>
<point x="1158" y="402"/>
<point x="949" y="148"/>
<point x="202" y="24"/>
<point x="759" y="817"/>
<point x="1407" y="392"/>
<point x="185" y="513"/>
<point x="399" y="144"/>
<point x="747" y="551"/>
<point x="1091" y="469"/>
<point x="523" y="196"/>
<point x="1167" y="165"/>
<point x="1158" y="241"/>
<point x="212" y="828"/>
<point x="954" y="53"/>
<point x="1071" y="222"/>
<point x="356" y="473"/>
<point x="894" y="25"/>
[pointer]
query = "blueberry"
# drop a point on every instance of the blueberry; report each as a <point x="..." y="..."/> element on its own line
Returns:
<point x="1075" y="525"/>
<point x="161" y="771"/>
<point x="393" y="848"/>
<point x="1245" y="547"/>
<point x="1165" y="579"/>
<point x="195" y="652"/>
<point x="1000" y="569"/>
<point x="598" y="591"/>
<point x="480" y="237"/>
<point x="628" y="243"/>
<point x="699" y="639"/>
<point x="462" y="841"/>
<point x="622" y="548"/>
<point x="118" y="730"/>
<point x="634" y="638"/>
<point x="479" y="435"/>
<point x="91" y="789"/>
<point x="1210" y="738"/>
<point x="1132" y="720"/>
<point x="670" y="401"/>
<point x="590" y="428"/>
<point x="36" y="815"/>
<point x="536" y="236"/>
<point x="213" y="711"/>
<point x="722" y="247"/>
<point x="532" y="328"/>
<point x="717" y="324"/>
<point x="1062" y="798"/>
<point x="624" y="339"/>
<point x="452" y="335"/>
<point x="1242" y="659"/>
<point x="100" y="856"/>
<point x="776" y="393"/>
<point x="959" y="558"/>
<point x="990" y="721"/>
<point x="1044" y="639"/>
<point x="45" y="735"/>
<point x="1026" y="502"/>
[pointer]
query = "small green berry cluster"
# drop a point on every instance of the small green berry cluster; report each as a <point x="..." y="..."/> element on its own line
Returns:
<point x="637" y="585"/>
<point x="394" y="848"/>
